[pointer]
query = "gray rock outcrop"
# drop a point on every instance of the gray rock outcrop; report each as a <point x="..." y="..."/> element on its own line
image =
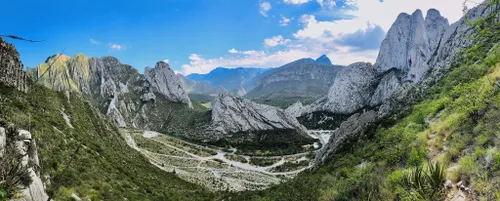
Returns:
<point x="389" y="86"/>
<point x="407" y="46"/>
<point x="11" y="68"/>
<point x="164" y="80"/>
<point x="23" y="142"/>
<point x="350" y="92"/>
<point x="351" y="128"/>
<point x="235" y="114"/>
<point x="295" y="110"/>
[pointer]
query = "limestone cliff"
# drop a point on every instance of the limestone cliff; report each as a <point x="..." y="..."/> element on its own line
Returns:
<point x="11" y="68"/>
<point x="117" y="89"/>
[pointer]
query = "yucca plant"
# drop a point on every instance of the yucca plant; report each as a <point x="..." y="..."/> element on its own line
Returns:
<point x="427" y="184"/>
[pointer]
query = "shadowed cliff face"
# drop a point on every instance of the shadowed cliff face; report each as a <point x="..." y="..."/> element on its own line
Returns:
<point x="11" y="68"/>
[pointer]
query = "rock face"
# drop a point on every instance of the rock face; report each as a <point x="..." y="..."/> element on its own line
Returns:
<point x="351" y="128"/>
<point x="11" y="68"/>
<point x="117" y="89"/>
<point x="234" y="114"/>
<point x="389" y="86"/>
<point x="407" y="44"/>
<point x="301" y="80"/>
<point x="164" y="80"/>
<point x="351" y="90"/>
<point x="22" y="142"/>
<point x="295" y="110"/>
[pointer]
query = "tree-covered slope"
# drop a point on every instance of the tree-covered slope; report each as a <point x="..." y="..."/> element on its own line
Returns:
<point x="83" y="153"/>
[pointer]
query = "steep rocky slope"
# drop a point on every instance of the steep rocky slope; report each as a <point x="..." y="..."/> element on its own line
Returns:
<point x="302" y="80"/>
<point x="240" y="121"/>
<point x="117" y="89"/>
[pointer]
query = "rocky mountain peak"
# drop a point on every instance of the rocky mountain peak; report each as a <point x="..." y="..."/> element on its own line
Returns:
<point x="410" y="43"/>
<point x="164" y="80"/>
<point x="323" y="59"/>
<point x="57" y="58"/>
<point x="436" y="25"/>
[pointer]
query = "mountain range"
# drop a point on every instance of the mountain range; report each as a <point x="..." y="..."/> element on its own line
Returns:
<point x="418" y="124"/>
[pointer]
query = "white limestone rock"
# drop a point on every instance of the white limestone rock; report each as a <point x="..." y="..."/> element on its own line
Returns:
<point x="235" y="114"/>
<point x="114" y="114"/>
<point x="164" y="80"/>
<point x="295" y="110"/>
<point x="3" y="141"/>
<point x="388" y="87"/>
<point x="351" y="90"/>
<point x="435" y="25"/>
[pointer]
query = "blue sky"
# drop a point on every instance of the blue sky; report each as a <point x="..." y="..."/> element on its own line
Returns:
<point x="199" y="35"/>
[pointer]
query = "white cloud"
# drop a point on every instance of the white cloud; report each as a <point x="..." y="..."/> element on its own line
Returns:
<point x="264" y="8"/>
<point x="275" y="41"/>
<point x="370" y="11"/>
<point x="233" y="51"/>
<point x="296" y="1"/>
<point x="94" y="42"/>
<point x="327" y="3"/>
<point x="284" y="21"/>
<point x="117" y="46"/>
<point x="166" y="61"/>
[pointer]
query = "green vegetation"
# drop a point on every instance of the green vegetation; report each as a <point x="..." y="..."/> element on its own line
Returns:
<point x="322" y="120"/>
<point x="263" y="162"/>
<point x="103" y="166"/>
<point x="427" y="185"/>
<point x="267" y="143"/>
<point x="13" y="175"/>
<point x="455" y="123"/>
<point x="291" y="166"/>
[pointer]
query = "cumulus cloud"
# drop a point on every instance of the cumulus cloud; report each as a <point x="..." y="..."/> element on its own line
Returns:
<point x="275" y="41"/>
<point x="166" y="61"/>
<point x="284" y="21"/>
<point x="94" y="42"/>
<point x="264" y="8"/>
<point x="117" y="46"/>
<point x="296" y="1"/>
<point x="326" y="3"/>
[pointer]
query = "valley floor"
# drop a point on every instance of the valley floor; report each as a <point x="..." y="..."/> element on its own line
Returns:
<point x="217" y="168"/>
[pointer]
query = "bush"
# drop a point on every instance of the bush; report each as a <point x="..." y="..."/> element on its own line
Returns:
<point x="427" y="184"/>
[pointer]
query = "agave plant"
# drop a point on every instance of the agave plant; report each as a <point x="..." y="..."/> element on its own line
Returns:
<point x="427" y="184"/>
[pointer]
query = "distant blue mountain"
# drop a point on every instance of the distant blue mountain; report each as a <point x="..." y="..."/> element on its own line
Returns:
<point x="323" y="59"/>
<point x="236" y="80"/>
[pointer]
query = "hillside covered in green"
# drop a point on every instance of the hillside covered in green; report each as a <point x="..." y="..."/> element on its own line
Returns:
<point x="86" y="154"/>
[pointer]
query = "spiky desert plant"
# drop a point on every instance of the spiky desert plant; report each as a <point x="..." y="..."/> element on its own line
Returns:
<point x="427" y="184"/>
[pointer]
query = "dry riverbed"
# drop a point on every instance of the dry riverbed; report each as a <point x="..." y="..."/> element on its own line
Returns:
<point x="215" y="168"/>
